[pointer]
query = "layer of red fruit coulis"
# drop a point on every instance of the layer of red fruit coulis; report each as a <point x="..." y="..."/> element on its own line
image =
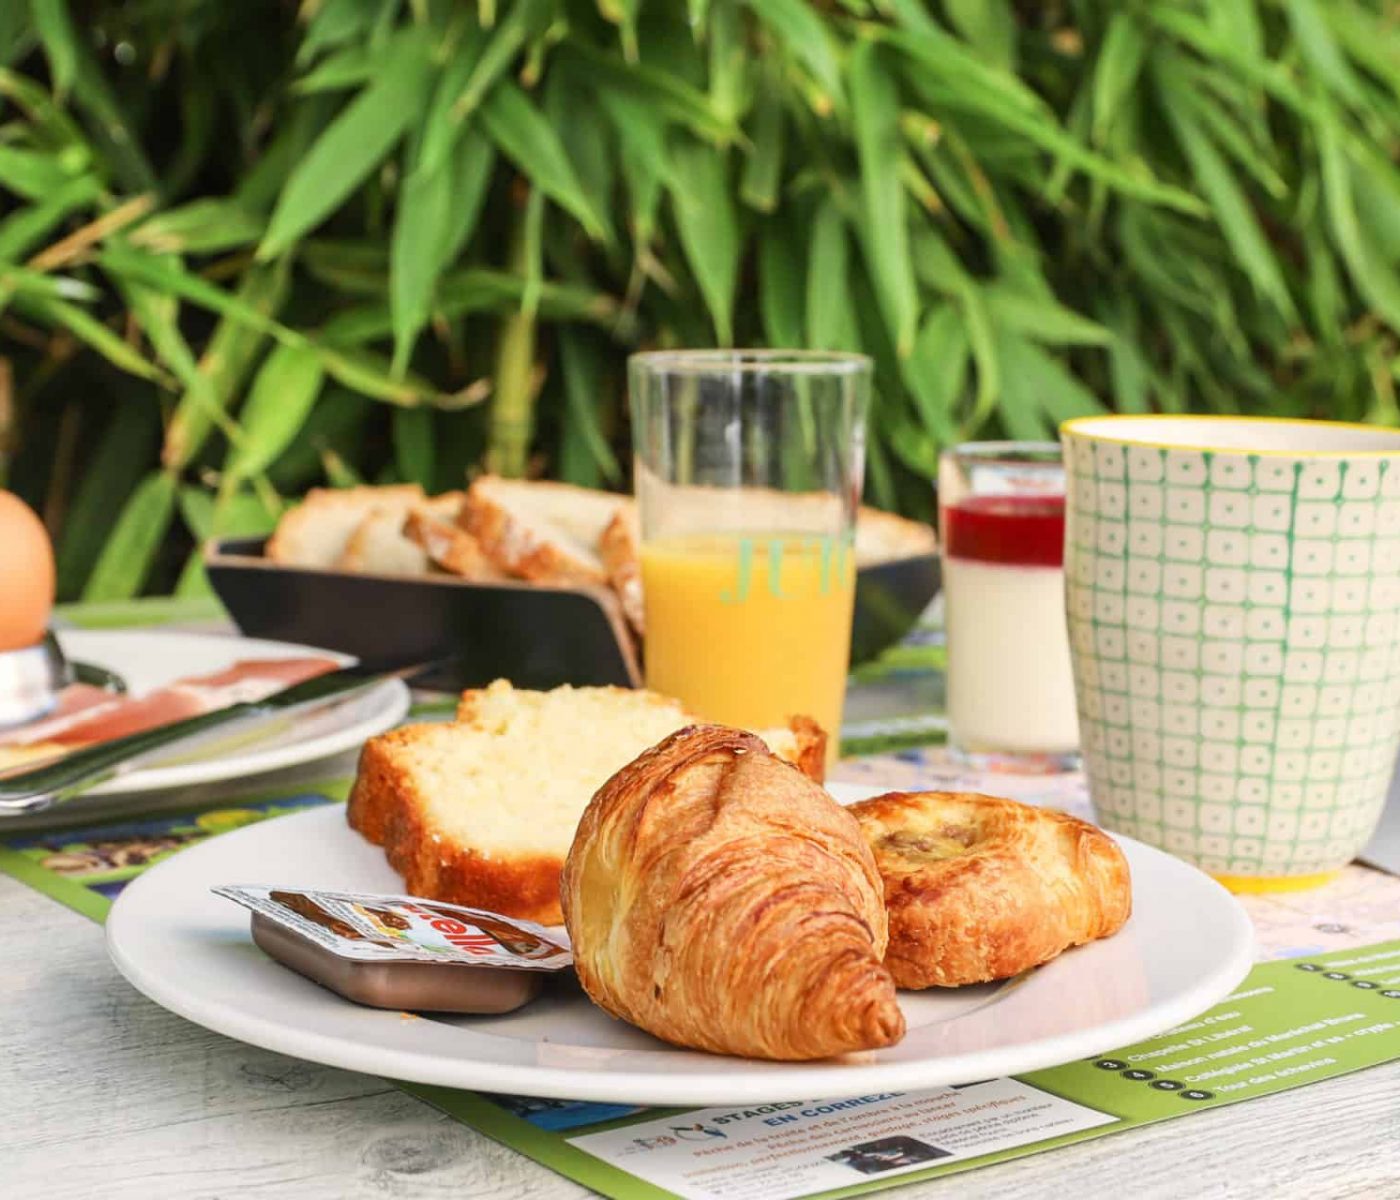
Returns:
<point x="1026" y="531"/>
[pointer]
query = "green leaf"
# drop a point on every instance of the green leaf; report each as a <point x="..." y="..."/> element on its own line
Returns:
<point x="708" y="227"/>
<point x="763" y="164"/>
<point x="207" y="226"/>
<point x="165" y="275"/>
<point x="260" y="185"/>
<point x="14" y="24"/>
<point x="129" y="440"/>
<point x="936" y="371"/>
<point x="24" y="229"/>
<point x="1376" y="281"/>
<point x="1129" y="374"/>
<point x="875" y="108"/>
<point x="227" y="359"/>
<point x="981" y="338"/>
<point x="666" y="94"/>
<point x="525" y="19"/>
<point x="347" y="68"/>
<point x="421" y="229"/>
<point x="1313" y="37"/>
<point x="58" y="313"/>
<point x="947" y="75"/>
<point x="280" y="399"/>
<point x="31" y="173"/>
<point x="989" y="25"/>
<point x="75" y="69"/>
<point x="1036" y="382"/>
<point x="339" y="473"/>
<point x="780" y="287"/>
<point x="527" y="139"/>
<point x="414" y="452"/>
<point x="234" y="514"/>
<point x="729" y="62"/>
<point x="231" y="515"/>
<point x="797" y="26"/>
<point x="473" y="159"/>
<point x="646" y="161"/>
<point x="570" y="106"/>
<point x="52" y="127"/>
<point x="371" y="374"/>
<point x="1041" y="320"/>
<point x="1116" y="70"/>
<point x="830" y="322"/>
<point x="353" y="145"/>
<point x="135" y="541"/>
<point x="38" y="285"/>
<point x="335" y="22"/>
<point x="584" y="455"/>
<point x="54" y="24"/>
<point x="1237" y="221"/>
<point x="461" y="293"/>
<point x="158" y="315"/>
<point x="1222" y="126"/>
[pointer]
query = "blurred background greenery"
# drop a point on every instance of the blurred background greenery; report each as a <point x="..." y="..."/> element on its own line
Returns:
<point x="252" y="246"/>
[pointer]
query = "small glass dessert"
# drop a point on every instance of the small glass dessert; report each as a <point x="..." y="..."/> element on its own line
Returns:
<point x="1010" y="684"/>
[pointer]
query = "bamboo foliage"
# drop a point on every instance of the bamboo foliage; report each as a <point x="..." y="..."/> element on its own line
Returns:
<point x="246" y="249"/>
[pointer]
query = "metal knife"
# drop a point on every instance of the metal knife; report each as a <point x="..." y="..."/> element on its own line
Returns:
<point x="42" y="787"/>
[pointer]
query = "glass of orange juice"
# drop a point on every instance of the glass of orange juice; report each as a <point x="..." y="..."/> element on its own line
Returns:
<point x="748" y="476"/>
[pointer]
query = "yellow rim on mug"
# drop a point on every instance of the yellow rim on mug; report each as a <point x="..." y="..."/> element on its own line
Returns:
<point x="1069" y="427"/>
<point x="1254" y="885"/>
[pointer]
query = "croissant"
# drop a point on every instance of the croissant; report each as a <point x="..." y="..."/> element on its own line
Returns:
<point x="981" y="888"/>
<point x="720" y="899"/>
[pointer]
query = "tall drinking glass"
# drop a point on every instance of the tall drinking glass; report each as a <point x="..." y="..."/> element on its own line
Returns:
<point x="748" y="476"/>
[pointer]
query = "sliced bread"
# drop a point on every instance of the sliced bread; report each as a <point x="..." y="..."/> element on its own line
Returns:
<point x="378" y="547"/>
<point x="317" y="531"/>
<point x="884" y="536"/>
<point x="483" y="811"/>
<point x="620" y="549"/>
<point x="448" y="546"/>
<point x="546" y="532"/>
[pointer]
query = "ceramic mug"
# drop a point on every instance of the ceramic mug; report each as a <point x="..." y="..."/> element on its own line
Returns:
<point x="1233" y="596"/>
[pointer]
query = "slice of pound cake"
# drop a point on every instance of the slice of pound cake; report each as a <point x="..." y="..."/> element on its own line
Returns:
<point x="482" y="811"/>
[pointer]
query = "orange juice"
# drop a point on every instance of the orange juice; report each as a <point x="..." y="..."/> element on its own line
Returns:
<point x="750" y="630"/>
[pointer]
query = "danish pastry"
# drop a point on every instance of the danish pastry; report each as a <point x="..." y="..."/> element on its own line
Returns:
<point x="720" y="899"/>
<point x="980" y="888"/>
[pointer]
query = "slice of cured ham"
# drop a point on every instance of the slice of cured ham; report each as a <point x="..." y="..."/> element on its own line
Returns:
<point x="86" y="715"/>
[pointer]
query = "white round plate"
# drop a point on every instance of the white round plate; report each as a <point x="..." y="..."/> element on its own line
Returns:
<point x="1186" y="946"/>
<point x="148" y="660"/>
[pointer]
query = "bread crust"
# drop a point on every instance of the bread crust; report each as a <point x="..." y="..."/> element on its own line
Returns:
<point x="509" y="540"/>
<point x="383" y="808"/>
<point x="621" y="554"/>
<point x="293" y="541"/>
<point x="981" y="888"/>
<point x="887" y="537"/>
<point x="449" y="546"/>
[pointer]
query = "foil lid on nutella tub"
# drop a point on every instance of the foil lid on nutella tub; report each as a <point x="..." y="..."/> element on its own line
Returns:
<point x="403" y="952"/>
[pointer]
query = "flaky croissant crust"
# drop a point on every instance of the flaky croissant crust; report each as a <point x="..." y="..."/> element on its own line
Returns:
<point x="981" y="888"/>
<point x="719" y="899"/>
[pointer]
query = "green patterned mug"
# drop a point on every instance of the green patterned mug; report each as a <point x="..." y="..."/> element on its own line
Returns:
<point x="1233" y="596"/>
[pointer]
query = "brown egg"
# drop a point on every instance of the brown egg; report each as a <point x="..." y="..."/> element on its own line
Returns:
<point x="26" y="574"/>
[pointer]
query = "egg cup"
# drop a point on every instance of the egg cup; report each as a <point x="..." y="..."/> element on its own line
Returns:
<point x="30" y="681"/>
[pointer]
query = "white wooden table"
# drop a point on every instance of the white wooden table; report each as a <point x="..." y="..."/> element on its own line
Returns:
<point x="106" y="1095"/>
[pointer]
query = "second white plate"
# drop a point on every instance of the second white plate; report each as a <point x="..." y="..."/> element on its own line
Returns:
<point x="147" y="660"/>
<point x="1186" y="946"/>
